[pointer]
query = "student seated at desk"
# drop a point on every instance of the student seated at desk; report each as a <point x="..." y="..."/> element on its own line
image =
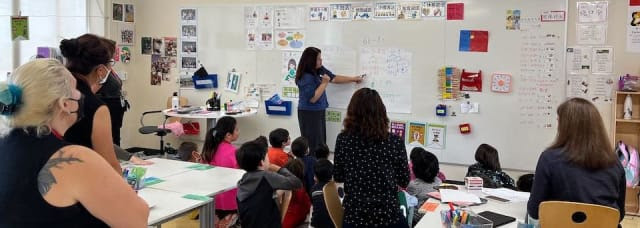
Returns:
<point x="581" y="165"/>
<point x="257" y="187"/>
<point x="188" y="151"/>
<point x="279" y="138"/>
<point x="45" y="181"/>
<point x="426" y="168"/>
<point x="218" y="151"/>
<point x="300" y="148"/>
<point x="320" y="216"/>
<point x="300" y="204"/>
<point x="488" y="168"/>
<point x="322" y="152"/>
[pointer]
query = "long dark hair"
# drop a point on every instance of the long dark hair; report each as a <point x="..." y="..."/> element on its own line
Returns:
<point x="487" y="156"/>
<point x="582" y="136"/>
<point x="367" y="116"/>
<point x="307" y="63"/>
<point x="215" y="136"/>
<point x="86" y="52"/>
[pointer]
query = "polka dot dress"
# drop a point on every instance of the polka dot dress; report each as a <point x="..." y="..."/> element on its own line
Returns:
<point x="371" y="172"/>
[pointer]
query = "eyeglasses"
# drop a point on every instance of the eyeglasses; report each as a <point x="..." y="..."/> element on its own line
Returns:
<point x="111" y="62"/>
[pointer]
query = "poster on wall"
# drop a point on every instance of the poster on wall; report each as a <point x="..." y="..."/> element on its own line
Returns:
<point x="189" y="32"/>
<point x="146" y="45"/>
<point x="362" y="13"/>
<point x="265" y="39"/>
<point x="125" y="54"/>
<point x="290" y="39"/>
<point x="265" y="16"/>
<point x="251" y="40"/>
<point x="432" y="9"/>
<point x="233" y="81"/>
<point x="592" y="11"/>
<point x="416" y="133"/>
<point x="156" y="47"/>
<point x="386" y="10"/>
<point x="129" y="13"/>
<point x="398" y="128"/>
<point x="289" y="67"/>
<point x="633" y="29"/>
<point x="19" y="28"/>
<point x="188" y="15"/>
<point x="127" y="34"/>
<point x="340" y="11"/>
<point x="436" y="135"/>
<point x="591" y="33"/>
<point x="602" y="60"/>
<point x="513" y="20"/>
<point x="291" y="17"/>
<point x="117" y="11"/>
<point x="579" y="60"/>
<point x="318" y="13"/>
<point x="409" y="11"/>
<point x="250" y="17"/>
<point x="170" y="46"/>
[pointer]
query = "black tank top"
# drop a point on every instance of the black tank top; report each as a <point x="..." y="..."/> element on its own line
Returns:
<point x="80" y="132"/>
<point x="22" y="156"/>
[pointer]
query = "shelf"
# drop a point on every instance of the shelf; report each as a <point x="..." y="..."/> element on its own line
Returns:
<point x="628" y="121"/>
<point x="623" y="92"/>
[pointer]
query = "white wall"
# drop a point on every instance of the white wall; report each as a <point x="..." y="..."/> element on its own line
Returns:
<point x="159" y="18"/>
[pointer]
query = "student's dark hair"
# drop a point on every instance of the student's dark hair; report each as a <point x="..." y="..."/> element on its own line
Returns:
<point x="525" y="182"/>
<point x="582" y="136"/>
<point x="307" y="63"/>
<point x="185" y="150"/>
<point x="251" y="153"/>
<point x="278" y="137"/>
<point x="296" y="166"/>
<point x="323" y="170"/>
<point x="86" y="52"/>
<point x="487" y="156"/>
<point x="215" y="136"/>
<point x="322" y="151"/>
<point x="300" y="147"/>
<point x="367" y="116"/>
<point x="425" y="164"/>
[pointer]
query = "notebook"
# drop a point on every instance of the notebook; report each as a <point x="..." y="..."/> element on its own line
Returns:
<point x="497" y="219"/>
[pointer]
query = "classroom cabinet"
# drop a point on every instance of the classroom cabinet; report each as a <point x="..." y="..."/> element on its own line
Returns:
<point x="628" y="131"/>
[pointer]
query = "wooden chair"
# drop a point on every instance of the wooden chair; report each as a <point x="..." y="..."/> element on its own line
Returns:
<point x="571" y="214"/>
<point x="334" y="206"/>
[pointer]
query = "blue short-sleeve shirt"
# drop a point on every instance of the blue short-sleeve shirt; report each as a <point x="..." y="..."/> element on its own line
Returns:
<point x="307" y="86"/>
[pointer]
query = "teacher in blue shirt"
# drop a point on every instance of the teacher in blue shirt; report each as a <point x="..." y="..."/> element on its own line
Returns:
<point x="312" y="80"/>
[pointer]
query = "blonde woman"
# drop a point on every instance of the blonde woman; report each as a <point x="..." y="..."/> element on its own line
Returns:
<point x="45" y="181"/>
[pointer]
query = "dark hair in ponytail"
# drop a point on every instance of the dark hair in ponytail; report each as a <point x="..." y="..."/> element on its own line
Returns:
<point x="216" y="135"/>
<point x="86" y="52"/>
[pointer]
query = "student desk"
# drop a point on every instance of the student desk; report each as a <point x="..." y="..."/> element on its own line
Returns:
<point x="178" y="181"/>
<point x="517" y="210"/>
<point x="211" y="116"/>
<point x="166" y="205"/>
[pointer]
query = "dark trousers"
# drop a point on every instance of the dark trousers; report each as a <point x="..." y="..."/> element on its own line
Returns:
<point x="313" y="126"/>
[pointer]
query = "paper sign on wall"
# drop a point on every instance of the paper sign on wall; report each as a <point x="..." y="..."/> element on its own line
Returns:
<point x="455" y="11"/>
<point x="436" y="135"/>
<point x="474" y="41"/>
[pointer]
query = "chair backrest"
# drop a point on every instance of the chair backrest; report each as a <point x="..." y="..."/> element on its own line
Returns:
<point x="572" y="214"/>
<point x="284" y="206"/>
<point x="183" y="101"/>
<point x="332" y="200"/>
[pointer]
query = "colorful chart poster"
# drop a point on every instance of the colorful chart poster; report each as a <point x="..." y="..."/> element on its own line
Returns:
<point x="340" y="11"/>
<point x="290" y="39"/>
<point x="416" y="133"/>
<point x="318" y="13"/>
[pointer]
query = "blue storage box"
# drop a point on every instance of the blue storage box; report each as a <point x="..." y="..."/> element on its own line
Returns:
<point x="283" y="109"/>
<point x="209" y="81"/>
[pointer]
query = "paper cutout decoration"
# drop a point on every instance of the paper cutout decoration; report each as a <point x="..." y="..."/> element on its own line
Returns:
<point x="455" y="11"/>
<point x="474" y="40"/>
<point x="416" y="133"/>
<point x="501" y="83"/>
<point x="398" y="128"/>
<point x="449" y="83"/>
<point x="471" y="81"/>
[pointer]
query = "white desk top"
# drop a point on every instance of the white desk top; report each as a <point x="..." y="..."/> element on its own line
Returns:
<point x="202" y="182"/>
<point x="163" y="168"/>
<point x="167" y="205"/>
<point x="203" y="114"/>
<point x="517" y="210"/>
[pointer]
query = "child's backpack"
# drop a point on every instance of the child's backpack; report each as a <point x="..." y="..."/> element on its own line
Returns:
<point x="628" y="157"/>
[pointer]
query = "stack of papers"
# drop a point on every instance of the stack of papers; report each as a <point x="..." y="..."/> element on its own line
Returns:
<point x="450" y="195"/>
<point x="505" y="193"/>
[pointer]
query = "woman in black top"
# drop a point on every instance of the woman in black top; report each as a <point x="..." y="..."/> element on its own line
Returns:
<point x="44" y="181"/>
<point x="372" y="164"/>
<point x="581" y="165"/>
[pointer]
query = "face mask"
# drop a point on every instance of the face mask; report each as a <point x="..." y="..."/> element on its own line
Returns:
<point x="80" y="111"/>
<point x="105" y="77"/>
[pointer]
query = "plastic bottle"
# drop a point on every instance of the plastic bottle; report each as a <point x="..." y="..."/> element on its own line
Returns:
<point x="175" y="101"/>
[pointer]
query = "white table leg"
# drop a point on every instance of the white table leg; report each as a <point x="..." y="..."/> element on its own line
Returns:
<point x="207" y="216"/>
<point x="211" y="122"/>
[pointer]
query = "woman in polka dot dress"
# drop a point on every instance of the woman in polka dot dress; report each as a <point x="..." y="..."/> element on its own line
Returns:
<point x="372" y="164"/>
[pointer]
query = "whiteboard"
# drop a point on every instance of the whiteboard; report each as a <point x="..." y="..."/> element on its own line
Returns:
<point x="519" y="124"/>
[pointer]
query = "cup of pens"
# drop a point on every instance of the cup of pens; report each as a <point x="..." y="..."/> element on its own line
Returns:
<point x="135" y="176"/>
<point x="462" y="218"/>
